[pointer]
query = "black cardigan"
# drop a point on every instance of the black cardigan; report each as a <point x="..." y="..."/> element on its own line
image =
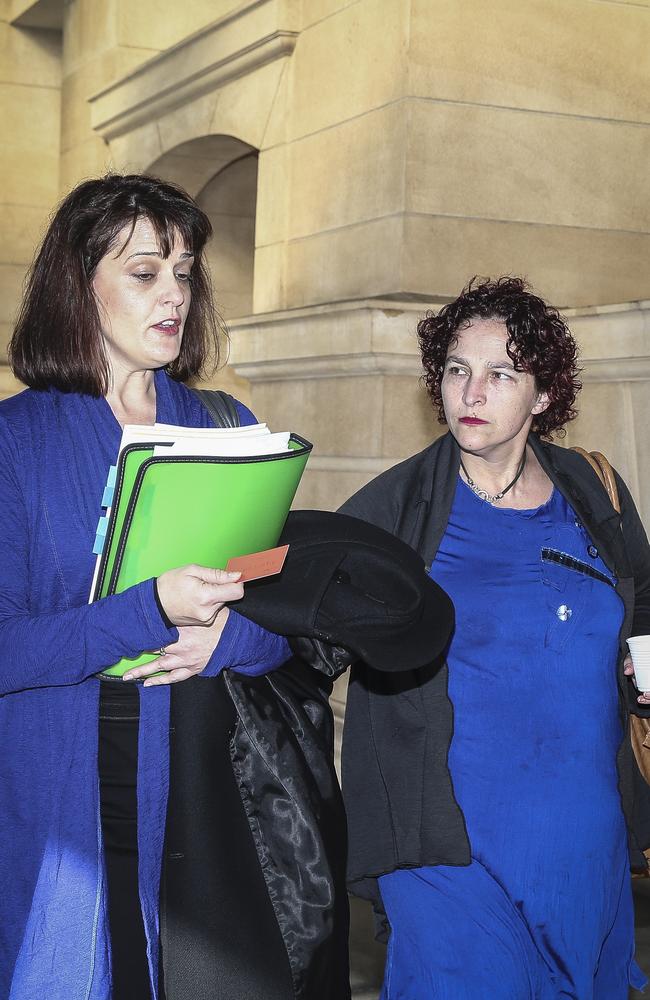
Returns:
<point x="397" y="788"/>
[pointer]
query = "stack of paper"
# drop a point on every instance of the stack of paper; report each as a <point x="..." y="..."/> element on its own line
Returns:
<point x="182" y="495"/>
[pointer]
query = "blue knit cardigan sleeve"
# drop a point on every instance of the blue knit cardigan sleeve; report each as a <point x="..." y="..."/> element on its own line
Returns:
<point x="66" y="644"/>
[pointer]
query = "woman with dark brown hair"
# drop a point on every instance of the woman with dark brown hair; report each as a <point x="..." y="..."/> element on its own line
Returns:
<point x="488" y="797"/>
<point x="117" y="314"/>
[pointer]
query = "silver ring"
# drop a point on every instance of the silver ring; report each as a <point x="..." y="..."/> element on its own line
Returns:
<point x="162" y="651"/>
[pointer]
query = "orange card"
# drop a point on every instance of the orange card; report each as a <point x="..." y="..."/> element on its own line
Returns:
<point x="258" y="564"/>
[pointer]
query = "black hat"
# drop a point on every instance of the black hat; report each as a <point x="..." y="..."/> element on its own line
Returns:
<point x="354" y="585"/>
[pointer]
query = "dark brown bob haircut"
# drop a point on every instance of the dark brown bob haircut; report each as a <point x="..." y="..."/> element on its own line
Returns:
<point x="58" y="339"/>
<point x="539" y="342"/>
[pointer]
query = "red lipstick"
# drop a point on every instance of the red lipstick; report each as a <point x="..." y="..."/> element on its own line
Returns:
<point x="472" y="421"/>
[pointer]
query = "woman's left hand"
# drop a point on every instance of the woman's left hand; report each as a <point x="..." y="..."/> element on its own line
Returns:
<point x="628" y="668"/>
<point x="184" y="658"/>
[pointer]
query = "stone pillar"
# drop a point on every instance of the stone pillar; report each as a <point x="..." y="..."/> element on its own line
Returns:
<point x="30" y="93"/>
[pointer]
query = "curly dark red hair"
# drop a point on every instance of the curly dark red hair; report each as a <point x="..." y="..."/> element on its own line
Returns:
<point x="539" y="342"/>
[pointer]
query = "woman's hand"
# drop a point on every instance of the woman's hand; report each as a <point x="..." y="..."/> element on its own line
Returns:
<point x="194" y="595"/>
<point x="628" y="668"/>
<point x="184" y="658"/>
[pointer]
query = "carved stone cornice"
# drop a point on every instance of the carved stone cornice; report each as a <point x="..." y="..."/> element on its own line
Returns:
<point x="377" y="337"/>
<point x="255" y="34"/>
<point x="616" y="369"/>
<point x="339" y="365"/>
<point x="362" y="337"/>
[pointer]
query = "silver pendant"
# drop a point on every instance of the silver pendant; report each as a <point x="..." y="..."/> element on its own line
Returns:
<point x="483" y="494"/>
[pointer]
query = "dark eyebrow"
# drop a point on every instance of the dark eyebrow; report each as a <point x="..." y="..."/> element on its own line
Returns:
<point x="502" y="364"/>
<point x="491" y="364"/>
<point x="156" y="253"/>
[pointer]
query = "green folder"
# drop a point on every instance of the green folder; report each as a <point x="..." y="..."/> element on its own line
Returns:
<point x="169" y="511"/>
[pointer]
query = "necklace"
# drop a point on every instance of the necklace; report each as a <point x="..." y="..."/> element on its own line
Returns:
<point x="483" y="494"/>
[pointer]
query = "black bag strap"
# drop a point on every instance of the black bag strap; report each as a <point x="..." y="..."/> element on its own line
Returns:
<point x="220" y="405"/>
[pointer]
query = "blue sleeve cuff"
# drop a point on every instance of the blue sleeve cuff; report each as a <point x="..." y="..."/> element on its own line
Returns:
<point x="162" y="631"/>
<point x="247" y="648"/>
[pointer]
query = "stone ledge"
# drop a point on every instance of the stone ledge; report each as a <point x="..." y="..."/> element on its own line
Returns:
<point x="366" y="336"/>
<point x="378" y="337"/>
<point x="634" y="369"/>
<point x="339" y="365"/>
<point x="256" y="33"/>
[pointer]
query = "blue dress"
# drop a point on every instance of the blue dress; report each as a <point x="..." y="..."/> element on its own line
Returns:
<point x="544" y="910"/>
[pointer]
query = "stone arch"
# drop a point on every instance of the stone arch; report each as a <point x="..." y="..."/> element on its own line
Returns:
<point x="195" y="162"/>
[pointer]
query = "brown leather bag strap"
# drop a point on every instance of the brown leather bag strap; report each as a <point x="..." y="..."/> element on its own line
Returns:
<point x="639" y="727"/>
<point x="605" y="473"/>
<point x="609" y="479"/>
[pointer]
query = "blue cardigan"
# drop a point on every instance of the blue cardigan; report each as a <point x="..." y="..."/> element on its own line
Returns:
<point x="56" y="449"/>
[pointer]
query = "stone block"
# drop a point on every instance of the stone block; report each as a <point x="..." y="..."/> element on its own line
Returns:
<point x="318" y="10"/>
<point x="637" y="452"/>
<point x="137" y="151"/>
<point x="86" y="79"/>
<point x="11" y="286"/>
<point x="30" y="147"/>
<point x="349" y="173"/>
<point x="346" y="64"/>
<point x="181" y="125"/>
<point x="29" y="55"/>
<point x="89" y="28"/>
<point x="340" y="416"/>
<point x="6" y="332"/>
<point x="8" y="384"/>
<point x="327" y="490"/>
<point x="21" y="230"/>
<point x="244" y="104"/>
<point x="226" y="378"/>
<point x="567" y="266"/>
<point x="230" y="256"/>
<point x="89" y="159"/>
<point x="274" y="186"/>
<point x="276" y="130"/>
<point x="362" y="337"/>
<point x="409" y="422"/>
<point x="148" y="25"/>
<point x="567" y="56"/>
<point x="507" y="164"/>
<point x="269" y="291"/>
<point x="356" y="262"/>
<point x="606" y="423"/>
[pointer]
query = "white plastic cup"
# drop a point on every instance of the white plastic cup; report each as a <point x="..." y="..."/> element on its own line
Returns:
<point x="640" y="652"/>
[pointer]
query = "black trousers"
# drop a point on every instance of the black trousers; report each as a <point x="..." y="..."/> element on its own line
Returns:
<point x="219" y="935"/>
<point x="119" y="711"/>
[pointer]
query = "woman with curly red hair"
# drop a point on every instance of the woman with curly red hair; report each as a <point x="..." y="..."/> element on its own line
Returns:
<point x="490" y="798"/>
